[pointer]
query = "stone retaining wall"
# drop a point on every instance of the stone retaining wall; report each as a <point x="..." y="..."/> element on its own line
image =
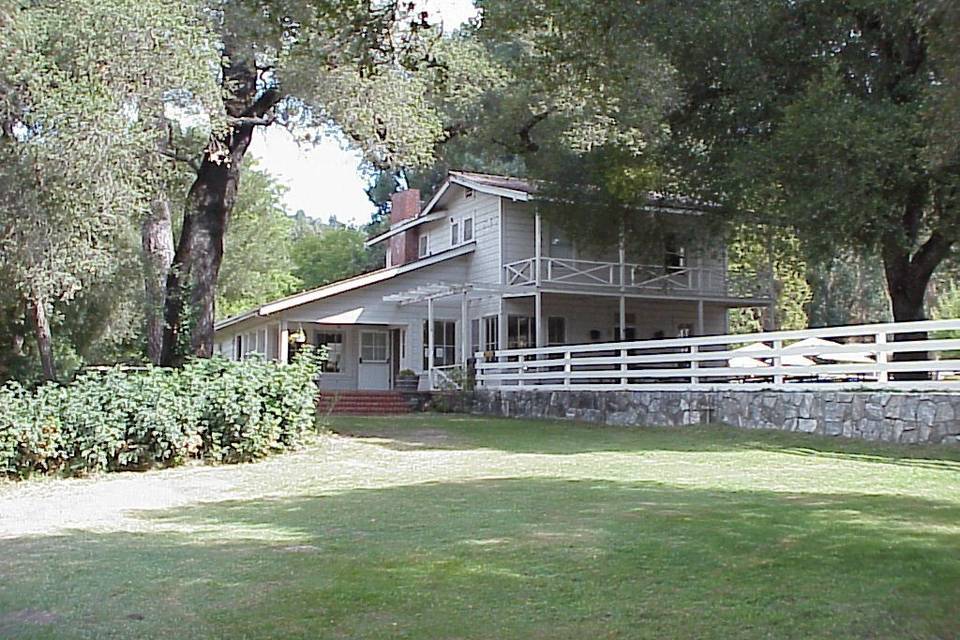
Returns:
<point x="871" y="415"/>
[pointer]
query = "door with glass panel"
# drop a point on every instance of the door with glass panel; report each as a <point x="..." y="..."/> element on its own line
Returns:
<point x="374" y="360"/>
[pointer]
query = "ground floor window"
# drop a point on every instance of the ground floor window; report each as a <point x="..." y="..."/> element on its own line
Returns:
<point x="491" y="333"/>
<point x="333" y="342"/>
<point x="521" y="332"/>
<point x="474" y="336"/>
<point x="444" y="343"/>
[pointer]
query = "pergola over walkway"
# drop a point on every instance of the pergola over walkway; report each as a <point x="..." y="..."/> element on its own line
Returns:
<point x="429" y="294"/>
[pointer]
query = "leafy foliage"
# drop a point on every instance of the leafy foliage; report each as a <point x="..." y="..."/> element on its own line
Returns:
<point x="116" y="419"/>
<point x="331" y="254"/>
<point x="772" y="255"/>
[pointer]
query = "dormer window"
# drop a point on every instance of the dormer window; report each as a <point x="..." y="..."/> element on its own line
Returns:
<point x="423" y="246"/>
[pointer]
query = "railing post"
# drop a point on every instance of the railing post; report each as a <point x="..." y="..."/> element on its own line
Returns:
<point x="623" y="362"/>
<point x="694" y="364"/>
<point x="567" y="368"/>
<point x="883" y="376"/>
<point x="777" y="359"/>
<point x="520" y="369"/>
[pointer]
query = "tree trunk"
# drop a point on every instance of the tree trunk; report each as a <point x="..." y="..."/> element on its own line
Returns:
<point x="907" y="279"/>
<point x="41" y="329"/>
<point x="192" y="279"/>
<point x="157" y="241"/>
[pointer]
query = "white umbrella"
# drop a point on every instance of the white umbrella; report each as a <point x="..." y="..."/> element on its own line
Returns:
<point x="746" y="362"/>
<point x="786" y="361"/>
<point x="858" y="357"/>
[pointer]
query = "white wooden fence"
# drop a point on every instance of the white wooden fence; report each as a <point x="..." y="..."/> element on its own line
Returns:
<point x="906" y="355"/>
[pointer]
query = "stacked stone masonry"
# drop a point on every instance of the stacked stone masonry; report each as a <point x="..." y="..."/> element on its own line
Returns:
<point x="870" y="415"/>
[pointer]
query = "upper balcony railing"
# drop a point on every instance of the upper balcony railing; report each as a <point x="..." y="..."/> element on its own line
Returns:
<point x="657" y="279"/>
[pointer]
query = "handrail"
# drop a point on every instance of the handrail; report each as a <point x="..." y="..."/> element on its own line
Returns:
<point x="688" y="278"/>
<point x="441" y="378"/>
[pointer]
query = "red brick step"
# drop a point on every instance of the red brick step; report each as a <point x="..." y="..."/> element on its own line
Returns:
<point x="373" y="403"/>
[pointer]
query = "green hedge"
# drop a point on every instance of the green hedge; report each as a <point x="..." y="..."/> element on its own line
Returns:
<point x="116" y="419"/>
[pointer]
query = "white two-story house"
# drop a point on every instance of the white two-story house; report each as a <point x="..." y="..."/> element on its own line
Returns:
<point x="476" y="268"/>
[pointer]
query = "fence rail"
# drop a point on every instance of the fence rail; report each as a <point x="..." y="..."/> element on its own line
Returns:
<point x="907" y="355"/>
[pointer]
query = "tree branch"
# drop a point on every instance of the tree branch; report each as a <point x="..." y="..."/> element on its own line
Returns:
<point x="191" y="162"/>
<point x="253" y="121"/>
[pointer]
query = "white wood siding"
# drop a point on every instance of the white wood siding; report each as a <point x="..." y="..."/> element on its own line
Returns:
<point x="484" y="264"/>
<point x="518" y="231"/>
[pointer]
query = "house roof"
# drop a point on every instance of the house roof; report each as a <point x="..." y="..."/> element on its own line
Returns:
<point x="343" y="286"/>
<point x="525" y="190"/>
<point x="505" y="186"/>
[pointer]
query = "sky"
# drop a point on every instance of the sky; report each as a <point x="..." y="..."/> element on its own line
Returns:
<point x="326" y="179"/>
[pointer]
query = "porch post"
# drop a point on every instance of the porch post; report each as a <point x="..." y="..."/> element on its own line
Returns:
<point x="700" y="330"/>
<point x="538" y="319"/>
<point x="623" y="318"/>
<point x="502" y="338"/>
<point x="623" y="260"/>
<point x="464" y="329"/>
<point x="430" y="343"/>
<point x="283" y="346"/>
<point x="538" y="248"/>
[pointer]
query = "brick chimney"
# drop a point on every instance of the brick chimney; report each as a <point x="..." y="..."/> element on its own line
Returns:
<point x="404" y="205"/>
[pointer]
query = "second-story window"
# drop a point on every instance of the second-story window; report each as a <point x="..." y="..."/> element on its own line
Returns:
<point x="454" y="233"/>
<point x="675" y="255"/>
<point x="423" y="246"/>
<point x="467" y="229"/>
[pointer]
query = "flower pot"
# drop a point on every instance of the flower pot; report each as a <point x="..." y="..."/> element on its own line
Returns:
<point x="408" y="383"/>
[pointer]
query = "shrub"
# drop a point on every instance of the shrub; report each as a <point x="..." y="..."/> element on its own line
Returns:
<point x="121" y="419"/>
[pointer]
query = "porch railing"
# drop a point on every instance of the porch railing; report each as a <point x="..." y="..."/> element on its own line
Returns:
<point x="450" y="377"/>
<point x="646" y="277"/>
<point x="909" y="355"/>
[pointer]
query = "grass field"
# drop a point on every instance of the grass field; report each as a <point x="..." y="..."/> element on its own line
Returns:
<point x="457" y="527"/>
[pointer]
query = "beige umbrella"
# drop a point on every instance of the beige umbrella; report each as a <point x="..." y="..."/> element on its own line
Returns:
<point x="746" y="362"/>
<point x="857" y="357"/>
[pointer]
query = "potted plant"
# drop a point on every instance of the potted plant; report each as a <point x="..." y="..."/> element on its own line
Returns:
<point x="407" y="380"/>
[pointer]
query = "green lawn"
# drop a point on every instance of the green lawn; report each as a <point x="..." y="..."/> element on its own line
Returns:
<point x="457" y="527"/>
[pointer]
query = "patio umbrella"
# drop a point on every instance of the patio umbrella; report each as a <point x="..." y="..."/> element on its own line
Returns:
<point x="857" y="357"/>
<point x="746" y="362"/>
<point x="786" y="361"/>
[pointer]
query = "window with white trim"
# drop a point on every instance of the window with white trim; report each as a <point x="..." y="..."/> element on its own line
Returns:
<point x="332" y="341"/>
<point x="444" y="343"/>
<point x="474" y="336"/>
<point x="423" y="246"/>
<point x="521" y="332"/>
<point x="467" y="229"/>
<point x="454" y="233"/>
<point x="491" y="333"/>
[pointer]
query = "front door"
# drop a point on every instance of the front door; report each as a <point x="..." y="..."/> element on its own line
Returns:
<point x="374" y="360"/>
